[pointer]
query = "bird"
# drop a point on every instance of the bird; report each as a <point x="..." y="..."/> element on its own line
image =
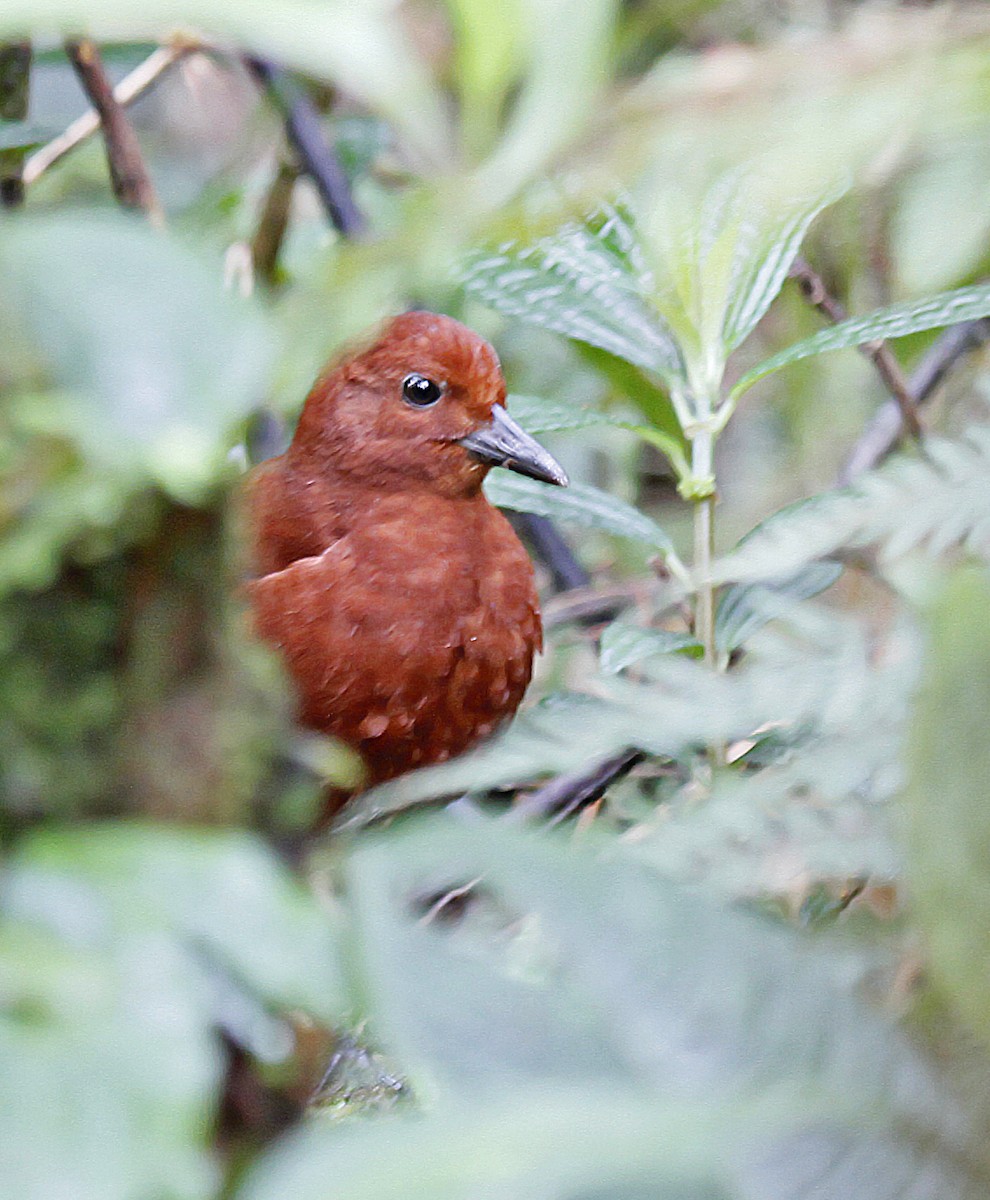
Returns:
<point x="401" y="601"/>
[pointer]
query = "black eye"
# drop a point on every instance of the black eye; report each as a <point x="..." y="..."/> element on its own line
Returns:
<point x="418" y="390"/>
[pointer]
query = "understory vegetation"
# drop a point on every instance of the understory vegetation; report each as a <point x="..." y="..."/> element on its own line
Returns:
<point x="711" y="917"/>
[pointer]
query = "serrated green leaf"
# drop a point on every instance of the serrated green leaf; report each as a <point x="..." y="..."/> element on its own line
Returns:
<point x="623" y="644"/>
<point x="762" y="259"/>
<point x="537" y="415"/>
<point x="899" y="320"/>
<point x="934" y="502"/>
<point x="545" y="416"/>
<point x="579" y="977"/>
<point x="578" y="283"/>
<point x="722" y="256"/>
<point x="579" y="504"/>
<point x="946" y="818"/>
<point x="832" y="683"/>
<point x="745" y="608"/>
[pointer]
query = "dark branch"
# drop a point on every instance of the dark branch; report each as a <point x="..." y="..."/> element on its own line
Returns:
<point x="888" y="368"/>
<point x="550" y="546"/>
<point x="883" y="433"/>
<point x="128" y="175"/>
<point x="267" y="241"/>
<point x="304" y="130"/>
<point x="567" y="793"/>
<point x="590" y="605"/>
<point x="15" y="82"/>
<point x="131" y="87"/>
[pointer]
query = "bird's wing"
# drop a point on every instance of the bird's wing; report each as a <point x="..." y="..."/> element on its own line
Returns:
<point x="353" y="646"/>
<point x="289" y="518"/>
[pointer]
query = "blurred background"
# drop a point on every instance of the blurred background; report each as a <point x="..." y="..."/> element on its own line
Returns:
<point x="758" y="967"/>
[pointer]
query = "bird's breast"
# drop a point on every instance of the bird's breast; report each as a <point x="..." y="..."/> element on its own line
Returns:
<point x="412" y="636"/>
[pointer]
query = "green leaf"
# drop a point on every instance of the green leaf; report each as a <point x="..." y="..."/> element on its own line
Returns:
<point x="221" y="897"/>
<point x="490" y="40"/>
<point x="745" y="608"/>
<point x="537" y="415"/>
<point x="947" y="308"/>
<point x="124" y="949"/>
<point x="567" y="44"/>
<point x="579" y="504"/>
<point x="584" y="283"/>
<point x="551" y="1026"/>
<point x="109" y="1071"/>
<point x="946" y="818"/>
<point x="790" y="681"/>
<point x="545" y="416"/>
<point x="623" y="644"/>
<point x="157" y="364"/>
<point x="934" y="502"/>
<point x="633" y="383"/>
<point x="721" y="257"/>
<point x="557" y="1143"/>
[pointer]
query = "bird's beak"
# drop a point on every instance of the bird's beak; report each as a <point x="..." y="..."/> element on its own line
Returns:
<point x="503" y="443"/>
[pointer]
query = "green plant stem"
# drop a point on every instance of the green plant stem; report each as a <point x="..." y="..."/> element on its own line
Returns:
<point x="704" y="541"/>
<point x="702" y="468"/>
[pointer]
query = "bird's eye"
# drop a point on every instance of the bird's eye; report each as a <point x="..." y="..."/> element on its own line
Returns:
<point x="420" y="391"/>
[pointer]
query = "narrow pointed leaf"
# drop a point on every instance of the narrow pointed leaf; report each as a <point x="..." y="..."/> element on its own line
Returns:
<point x="579" y="504"/>
<point x="577" y="283"/>
<point x="545" y="416"/>
<point x="947" y="308"/>
<point x="623" y="644"/>
<point x="936" y="502"/>
<point x="745" y="608"/>
<point x="760" y="272"/>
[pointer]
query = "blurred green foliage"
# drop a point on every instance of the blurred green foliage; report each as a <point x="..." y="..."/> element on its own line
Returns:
<point x="701" y="993"/>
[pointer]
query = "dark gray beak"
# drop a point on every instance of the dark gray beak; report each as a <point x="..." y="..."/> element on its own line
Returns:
<point x="502" y="443"/>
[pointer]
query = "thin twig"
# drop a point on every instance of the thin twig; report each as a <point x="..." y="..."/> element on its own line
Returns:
<point x="15" y="82"/>
<point x="551" y="547"/>
<point x="590" y="606"/>
<point x="131" y="87"/>
<point x="888" y="368"/>
<point x="128" y="175"/>
<point x="267" y="241"/>
<point x="567" y="793"/>
<point x="304" y="130"/>
<point x="883" y="433"/>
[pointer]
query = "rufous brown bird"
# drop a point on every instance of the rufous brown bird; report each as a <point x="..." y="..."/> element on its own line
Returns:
<point x="402" y="602"/>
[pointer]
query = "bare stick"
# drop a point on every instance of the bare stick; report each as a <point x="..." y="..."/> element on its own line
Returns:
<point x="567" y="793"/>
<point x="883" y="432"/>
<point x="888" y="368"/>
<point x="268" y="238"/>
<point x="317" y="158"/>
<point x="552" y="548"/>
<point x="128" y="175"/>
<point x="130" y="88"/>
<point x="15" y="81"/>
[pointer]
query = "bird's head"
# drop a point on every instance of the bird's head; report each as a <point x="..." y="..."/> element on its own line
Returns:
<point x="425" y="404"/>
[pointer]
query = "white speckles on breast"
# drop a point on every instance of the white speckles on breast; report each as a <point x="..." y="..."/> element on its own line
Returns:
<point x="374" y="725"/>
